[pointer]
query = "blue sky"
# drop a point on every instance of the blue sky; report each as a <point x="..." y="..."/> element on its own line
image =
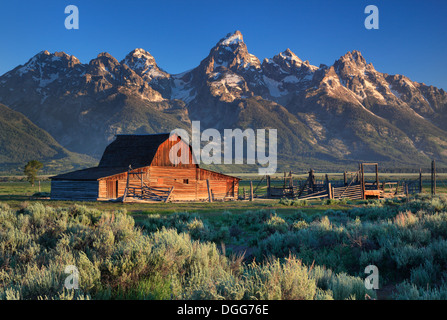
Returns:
<point x="412" y="39"/>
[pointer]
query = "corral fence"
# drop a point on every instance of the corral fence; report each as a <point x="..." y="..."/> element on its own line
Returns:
<point x="352" y="185"/>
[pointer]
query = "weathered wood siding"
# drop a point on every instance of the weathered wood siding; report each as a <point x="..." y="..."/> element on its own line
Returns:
<point x="184" y="181"/>
<point x="74" y="190"/>
<point x="189" y="183"/>
<point x="161" y="158"/>
<point x="222" y="186"/>
<point x="104" y="183"/>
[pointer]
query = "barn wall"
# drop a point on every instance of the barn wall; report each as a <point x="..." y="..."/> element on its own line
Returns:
<point x="189" y="183"/>
<point x="220" y="184"/>
<point x="134" y="181"/>
<point x="161" y="158"/>
<point x="104" y="183"/>
<point x="221" y="188"/>
<point x="102" y="191"/>
<point x="184" y="181"/>
<point x="74" y="190"/>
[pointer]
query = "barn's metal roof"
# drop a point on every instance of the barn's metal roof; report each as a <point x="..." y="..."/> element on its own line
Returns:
<point x="127" y="149"/>
<point x="135" y="150"/>
<point x="94" y="173"/>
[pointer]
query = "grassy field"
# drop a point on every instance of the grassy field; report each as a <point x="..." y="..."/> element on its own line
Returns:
<point x="264" y="249"/>
<point x="16" y="193"/>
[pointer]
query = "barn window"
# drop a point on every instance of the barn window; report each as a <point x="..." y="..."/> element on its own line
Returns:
<point x="186" y="181"/>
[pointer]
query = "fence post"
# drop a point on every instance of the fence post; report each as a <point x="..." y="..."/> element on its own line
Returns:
<point x="311" y="180"/>
<point x="358" y="176"/>
<point x="251" y="190"/>
<point x="329" y="190"/>
<point x="420" y="180"/>
<point x="268" y="187"/>
<point x="433" y="178"/>
<point x="377" y="176"/>
<point x="284" y="179"/>
<point x="290" y="179"/>
<point x="210" y="196"/>
<point x="363" y="181"/>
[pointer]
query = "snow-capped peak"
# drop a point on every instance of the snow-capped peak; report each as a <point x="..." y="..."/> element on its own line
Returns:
<point x="45" y="61"/>
<point x="139" y="59"/>
<point x="141" y="53"/>
<point x="287" y="62"/>
<point x="143" y="63"/>
<point x="290" y="56"/>
<point x="231" y="52"/>
<point x="232" y="39"/>
<point x="353" y="56"/>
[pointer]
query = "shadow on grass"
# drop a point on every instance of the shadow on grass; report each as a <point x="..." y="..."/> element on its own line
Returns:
<point x="13" y="197"/>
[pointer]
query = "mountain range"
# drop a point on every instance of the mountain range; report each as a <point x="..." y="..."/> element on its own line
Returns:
<point x="328" y="117"/>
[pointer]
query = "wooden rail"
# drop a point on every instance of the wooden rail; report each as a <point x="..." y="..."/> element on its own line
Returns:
<point x="353" y="192"/>
<point x="316" y="195"/>
<point x="148" y="193"/>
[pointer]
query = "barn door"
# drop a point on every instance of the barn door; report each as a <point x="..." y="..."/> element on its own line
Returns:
<point x="230" y="188"/>
<point x="112" y="189"/>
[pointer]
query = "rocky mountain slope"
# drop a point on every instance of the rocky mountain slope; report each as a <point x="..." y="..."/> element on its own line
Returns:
<point x="337" y="114"/>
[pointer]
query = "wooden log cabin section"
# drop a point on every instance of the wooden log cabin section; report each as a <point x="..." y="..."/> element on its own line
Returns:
<point x="151" y="169"/>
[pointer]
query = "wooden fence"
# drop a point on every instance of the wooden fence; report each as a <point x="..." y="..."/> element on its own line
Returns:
<point x="353" y="192"/>
<point x="353" y="186"/>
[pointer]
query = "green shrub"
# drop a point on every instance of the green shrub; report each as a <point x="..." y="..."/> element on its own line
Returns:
<point x="341" y="286"/>
<point x="301" y="224"/>
<point x="407" y="291"/>
<point x="275" y="224"/>
<point x="175" y="256"/>
<point x="425" y="275"/>
<point x="274" y="280"/>
<point x="285" y="202"/>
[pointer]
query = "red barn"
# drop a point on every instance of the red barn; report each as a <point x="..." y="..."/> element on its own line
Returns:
<point x="138" y="167"/>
